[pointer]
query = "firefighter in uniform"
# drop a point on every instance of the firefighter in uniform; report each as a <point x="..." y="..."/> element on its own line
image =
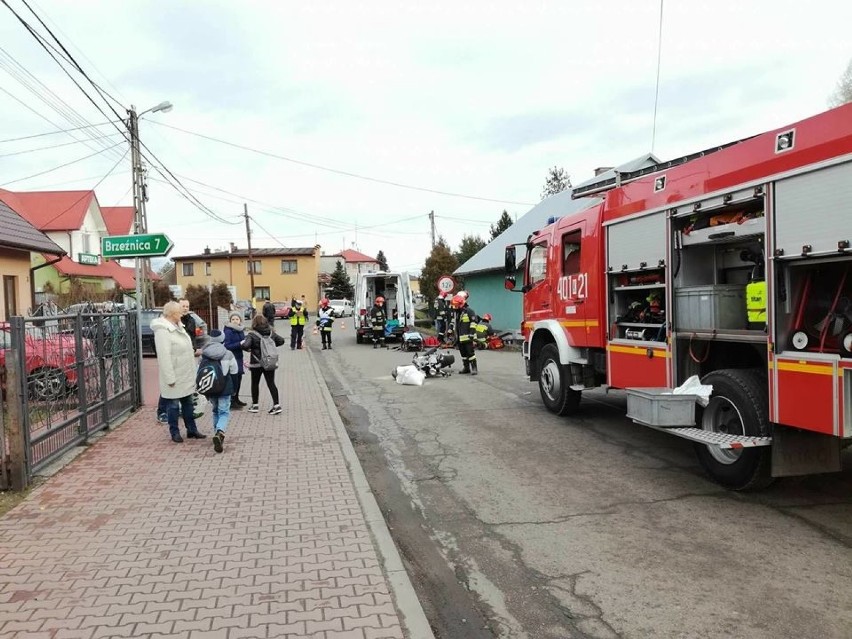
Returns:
<point x="378" y="319"/>
<point x="483" y="331"/>
<point x="298" y="319"/>
<point x="442" y="316"/>
<point x="465" y="335"/>
<point x="325" y="318"/>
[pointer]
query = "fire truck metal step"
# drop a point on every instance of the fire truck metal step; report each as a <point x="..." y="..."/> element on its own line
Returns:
<point x="722" y="440"/>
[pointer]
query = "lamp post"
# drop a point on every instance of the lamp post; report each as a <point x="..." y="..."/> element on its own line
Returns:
<point x="140" y="218"/>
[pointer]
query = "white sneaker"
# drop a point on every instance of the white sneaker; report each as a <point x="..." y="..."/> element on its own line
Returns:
<point x="275" y="410"/>
<point x="253" y="408"/>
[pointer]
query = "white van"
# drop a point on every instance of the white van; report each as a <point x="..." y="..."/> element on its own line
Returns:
<point x="395" y="287"/>
<point x="341" y="308"/>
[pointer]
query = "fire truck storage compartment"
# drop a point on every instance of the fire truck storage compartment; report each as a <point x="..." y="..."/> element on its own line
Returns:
<point x="812" y="211"/>
<point x="659" y="407"/>
<point x="636" y="243"/>
<point x="716" y="306"/>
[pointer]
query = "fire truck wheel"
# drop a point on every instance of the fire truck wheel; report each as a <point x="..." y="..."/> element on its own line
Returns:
<point x="738" y="406"/>
<point x="554" y="384"/>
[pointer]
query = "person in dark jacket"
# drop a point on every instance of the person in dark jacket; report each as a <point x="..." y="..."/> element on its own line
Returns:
<point x="234" y="335"/>
<point x="378" y="319"/>
<point x="188" y="323"/>
<point x="260" y="327"/>
<point x="465" y="319"/>
<point x="269" y="312"/>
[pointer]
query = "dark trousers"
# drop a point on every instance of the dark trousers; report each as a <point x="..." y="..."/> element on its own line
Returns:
<point x="237" y="379"/>
<point x="178" y="407"/>
<point x="326" y="337"/>
<point x="379" y="335"/>
<point x="466" y="351"/>
<point x="269" y="376"/>
<point x="296" y="334"/>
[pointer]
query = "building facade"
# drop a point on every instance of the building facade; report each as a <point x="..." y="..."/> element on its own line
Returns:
<point x="279" y="274"/>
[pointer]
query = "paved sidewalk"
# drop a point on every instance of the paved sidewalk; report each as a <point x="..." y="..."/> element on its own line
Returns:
<point x="278" y="536"/>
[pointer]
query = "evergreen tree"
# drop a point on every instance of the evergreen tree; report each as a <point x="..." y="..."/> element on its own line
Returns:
<point x="440" y="262"/>
<point x="470" y="246"/>
<point x="340" y="286"/>
<point x="843" y="93"/>
<point x="556" y="182"/>
<point x="503" y="223"/>
<point x="383" y="261"/>
<point x="200" y="298"/>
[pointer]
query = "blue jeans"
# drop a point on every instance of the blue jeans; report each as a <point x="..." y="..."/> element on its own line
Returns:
<point x="177" y="407"/>
<point x="162" y="406"/>
<point x="221" y="412"/>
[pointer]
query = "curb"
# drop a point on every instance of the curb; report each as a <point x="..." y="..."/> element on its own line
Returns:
<point x="413" y="618"/>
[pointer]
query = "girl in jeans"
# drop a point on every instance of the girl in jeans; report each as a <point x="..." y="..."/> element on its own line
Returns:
<point x="260" y="327"/>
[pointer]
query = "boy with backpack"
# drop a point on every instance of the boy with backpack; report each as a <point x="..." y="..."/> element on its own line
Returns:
<point x="214" y="380"/>
<point x="262" y="344"/>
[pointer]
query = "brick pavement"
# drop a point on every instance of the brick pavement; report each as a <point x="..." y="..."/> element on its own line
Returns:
<point x="276" y="537"/>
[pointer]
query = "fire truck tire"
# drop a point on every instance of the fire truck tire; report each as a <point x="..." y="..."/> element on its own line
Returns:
<point x="554" y="383"/>
<point x="739" y="405"/>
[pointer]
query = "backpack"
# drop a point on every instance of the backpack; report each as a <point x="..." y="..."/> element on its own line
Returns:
<point x="210" y="381"/>
<point x="268" y="353"/>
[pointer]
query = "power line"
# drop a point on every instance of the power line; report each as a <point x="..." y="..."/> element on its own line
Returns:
<point x="336" y="171"/>
<point x="41" y="135"/>
<point x="53" y="146"/>
<point x="657" y="89"/>
<point x="56" y="168"/>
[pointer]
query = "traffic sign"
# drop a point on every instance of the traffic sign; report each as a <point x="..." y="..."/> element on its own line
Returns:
<point x="446" y="284"/>
<point x="151" y="245"/>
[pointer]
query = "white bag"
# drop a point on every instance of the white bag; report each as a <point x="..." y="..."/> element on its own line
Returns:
<point x="199" y="405"/>
<point x="409" y="375"/>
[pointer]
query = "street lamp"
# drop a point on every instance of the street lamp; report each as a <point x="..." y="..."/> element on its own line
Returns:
<point x="140" y="218"/>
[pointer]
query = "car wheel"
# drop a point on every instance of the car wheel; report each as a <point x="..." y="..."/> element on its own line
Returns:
<point x="554" y="384"/>
<point x="46" y="384"/>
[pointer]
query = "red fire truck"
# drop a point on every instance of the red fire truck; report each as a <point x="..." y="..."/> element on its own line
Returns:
<point x="733" y="265"/>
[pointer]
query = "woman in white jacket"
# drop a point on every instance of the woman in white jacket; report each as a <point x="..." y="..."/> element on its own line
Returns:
<point x="176" y="360"/>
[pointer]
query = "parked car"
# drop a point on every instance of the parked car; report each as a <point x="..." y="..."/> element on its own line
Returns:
<point x="51" y="362"/>
<point x="244" y="307"/>
<point x="282" y="310"/>
<point x="148" y="315"/>
<point x="341" y="308"/>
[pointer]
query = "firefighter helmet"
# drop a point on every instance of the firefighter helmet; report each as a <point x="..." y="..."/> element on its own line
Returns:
<point x="464" y="294"/>
<point x="324" y="301"/>
<point x="380" y="300"/>
<point x="487" y="317"/>
<point x="458" y="301"/>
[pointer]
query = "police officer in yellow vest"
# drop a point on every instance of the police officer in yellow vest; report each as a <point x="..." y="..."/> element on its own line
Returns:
<point x="298" y="319"/>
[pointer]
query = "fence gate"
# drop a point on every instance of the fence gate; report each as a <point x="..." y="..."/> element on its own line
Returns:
<point x="67" y="377"/>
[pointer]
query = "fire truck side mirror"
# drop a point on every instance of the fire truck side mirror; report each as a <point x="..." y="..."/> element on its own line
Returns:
<point x="509" y="284"/>
<point x="511" y="266"/>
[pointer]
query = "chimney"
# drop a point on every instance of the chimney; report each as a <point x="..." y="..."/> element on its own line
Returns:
<point x="602" y="169"/>
<point x="233" y="248"/>
<point x="207" y="250"/>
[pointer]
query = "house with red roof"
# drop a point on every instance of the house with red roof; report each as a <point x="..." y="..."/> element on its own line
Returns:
<point x="354" y="262"/>
<point x="75" y="222"/>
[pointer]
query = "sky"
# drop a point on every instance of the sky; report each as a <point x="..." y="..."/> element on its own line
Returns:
<point x="380" y="112"/>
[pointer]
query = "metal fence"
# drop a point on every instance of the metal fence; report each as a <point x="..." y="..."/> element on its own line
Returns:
<point x="64" y="378"/>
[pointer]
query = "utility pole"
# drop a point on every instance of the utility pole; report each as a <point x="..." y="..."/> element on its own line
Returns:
<point x="140" y="224"/>
<point x="432" y="226"/>
<point x="250" y="261"/>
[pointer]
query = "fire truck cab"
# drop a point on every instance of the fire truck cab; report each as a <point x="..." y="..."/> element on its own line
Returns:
<point x="733" y="265"/>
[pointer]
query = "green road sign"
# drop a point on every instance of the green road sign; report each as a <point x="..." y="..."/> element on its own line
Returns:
<point x="151" y="245"/>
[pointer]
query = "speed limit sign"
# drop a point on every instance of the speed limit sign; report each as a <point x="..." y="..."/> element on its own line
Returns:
<point x="446" y="284"/>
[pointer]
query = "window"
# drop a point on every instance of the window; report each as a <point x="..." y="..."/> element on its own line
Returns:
<point x="207" y="267"/>
<point x="253" y="266"/>
<point x="537" y="263"/>
<point x="571" y="253"/>
<point x="289" y="266"/>
<point x="261" y="292"/>
<point x="188" y="269"/>
<point x="86" y="242"/>
<point x="10" y="295"/>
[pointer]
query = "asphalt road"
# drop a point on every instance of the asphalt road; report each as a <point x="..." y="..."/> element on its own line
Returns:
<point x="516" y="523"/>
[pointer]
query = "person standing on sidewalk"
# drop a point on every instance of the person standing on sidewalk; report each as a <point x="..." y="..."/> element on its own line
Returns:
<point x="176" y="363"/>
<point x="298" y="319"/>
<point x="258" y="342"/>
<point x="378" y="319"/>
<point x="234" y="335"/>
<point x="215" y="351"/>
<point x="269" y="312"/>
<point x="188" y="322"/>
<point x="325" y="318"/>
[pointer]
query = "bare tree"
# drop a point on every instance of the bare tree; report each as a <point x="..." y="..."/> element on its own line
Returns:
<point x="843" y="92"/>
